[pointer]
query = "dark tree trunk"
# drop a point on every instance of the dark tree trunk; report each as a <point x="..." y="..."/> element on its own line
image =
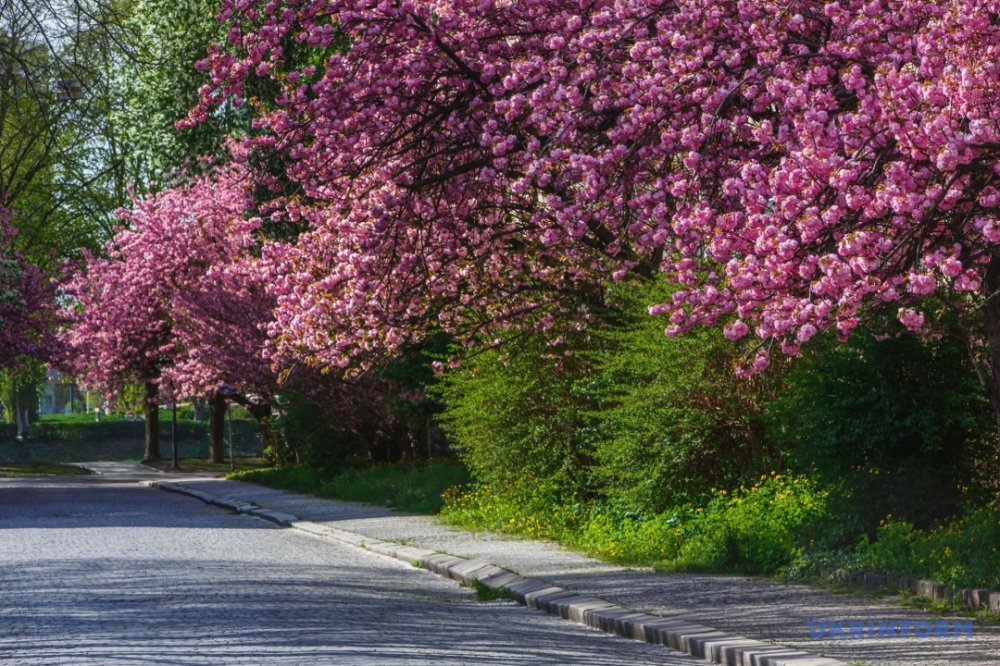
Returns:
<point x="989" y="372"/>
<point x="217" y="428"/>
<point x="151" y="408"/>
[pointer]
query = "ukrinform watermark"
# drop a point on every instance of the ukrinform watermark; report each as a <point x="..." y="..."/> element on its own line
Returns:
<point x="847" y="629"/>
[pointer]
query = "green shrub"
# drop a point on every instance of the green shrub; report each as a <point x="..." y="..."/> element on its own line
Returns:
<point x="964" y="551"/>
<point x="675" y="420"/>
<point x="899" y="426"/>
<point x="518" y="418"/>
<point x="620" y="413"/>
<point x="757" y="529"/>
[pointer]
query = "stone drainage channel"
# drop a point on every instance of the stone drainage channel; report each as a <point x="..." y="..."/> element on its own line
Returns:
<point x="695" y="639"/>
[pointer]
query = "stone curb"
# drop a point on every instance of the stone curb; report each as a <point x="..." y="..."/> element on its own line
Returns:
<point x="695" y="639"/>
<point x="974" y="598"/>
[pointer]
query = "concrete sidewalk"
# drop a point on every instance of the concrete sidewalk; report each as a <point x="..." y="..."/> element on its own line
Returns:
<point x="771" y="613"/>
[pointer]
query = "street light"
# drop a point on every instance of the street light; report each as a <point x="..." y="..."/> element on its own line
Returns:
<point x="70" y="90"/>
<point x="228" y="392"/>
<point x="173" y="435"/>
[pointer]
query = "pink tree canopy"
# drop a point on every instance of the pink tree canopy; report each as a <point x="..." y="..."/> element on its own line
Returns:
<point x="27" y="305"/>
<point x="461" y="165"/>
<point x="791" y="165"/>
<point x="178" y="298"/>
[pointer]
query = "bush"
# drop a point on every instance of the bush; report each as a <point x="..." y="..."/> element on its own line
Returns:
<point x="757" y="529"/>
<point x="899" y="426"/>
<point x="675" y="421"/>
<point x="964" y="551"/>
<point x="518" y="418"/>
<point x="620" y="414"/>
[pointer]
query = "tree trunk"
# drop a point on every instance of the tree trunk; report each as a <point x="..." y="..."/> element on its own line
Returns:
<point x="990" y="374"/>
<point x="151" y="408"/>
<point x="217" y="428"/>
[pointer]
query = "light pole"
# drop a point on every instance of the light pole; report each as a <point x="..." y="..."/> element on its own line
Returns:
<point x="228" y="392"/>
<point x="173" y="435"/>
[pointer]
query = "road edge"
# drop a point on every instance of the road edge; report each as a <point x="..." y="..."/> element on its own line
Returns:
<point x="695" y="639"/>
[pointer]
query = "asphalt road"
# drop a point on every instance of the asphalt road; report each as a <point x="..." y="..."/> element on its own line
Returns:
<point x="98" y="571"/>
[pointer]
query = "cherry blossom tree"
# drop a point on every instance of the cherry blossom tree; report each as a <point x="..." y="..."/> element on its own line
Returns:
<point x="845" y="162"/>
<point x="458" y="165"/>
<point x="177" y="303"/>
<point x="795" y="166"/>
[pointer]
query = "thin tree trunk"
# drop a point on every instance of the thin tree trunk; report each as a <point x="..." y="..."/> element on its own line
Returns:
<point x="151" y="408"/>
<point x="217" y="428"/>
<point x="990" y="374"/>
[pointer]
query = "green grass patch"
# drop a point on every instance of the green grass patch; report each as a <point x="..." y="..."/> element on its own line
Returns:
<point x="757" y="529"/>
<point x="39" y="469"/>
<point x="486" y="593"/>
<point x="242" y="463"/>
<point x="417" y="488"/>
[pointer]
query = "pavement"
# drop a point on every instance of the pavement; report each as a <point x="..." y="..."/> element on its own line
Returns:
<point x="102" y="571"/>
<point x="737" y="606"/>
<point x="703" y="614"/>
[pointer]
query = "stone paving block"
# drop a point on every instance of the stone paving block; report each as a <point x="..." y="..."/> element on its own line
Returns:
<point x="582" y="610"/>
<point x="489" y="571"/>
<point x="503" y="579"/>
<point x="465" y="570"/>
<point x="440" y="563"/>
<point x="528" y="589"/>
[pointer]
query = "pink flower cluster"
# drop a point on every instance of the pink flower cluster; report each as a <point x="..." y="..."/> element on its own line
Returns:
<point x="850" y="161"/>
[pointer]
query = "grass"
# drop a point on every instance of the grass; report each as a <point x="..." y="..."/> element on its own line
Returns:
<point x="39" y="469"/>
<point x="416" y="488"/>
<point x="486" y="593"/>
<point x="203" y="465"/>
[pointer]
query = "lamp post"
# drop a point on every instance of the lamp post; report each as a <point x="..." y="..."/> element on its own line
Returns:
<point x="173" y="435"/>
<point x="228" y="392"/>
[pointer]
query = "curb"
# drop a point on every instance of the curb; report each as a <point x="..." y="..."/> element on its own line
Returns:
<point x="974" y="598"/>
<point x="697" y="640"/>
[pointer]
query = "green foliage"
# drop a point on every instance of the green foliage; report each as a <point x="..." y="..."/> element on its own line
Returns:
<point x="756" y="529"/>
<point x="518" y="417"/>
<point x="901" y="426"/>
<point x="308" y="432"/>
<point x="620" y="413"/>
<point x="486" y="593"/>
<point x="162" y="85"/>
<point x="675" y="421"/>
<point x="418" y="488"/>
<point x="19" y="390"/>
<point x="964" y="551"/>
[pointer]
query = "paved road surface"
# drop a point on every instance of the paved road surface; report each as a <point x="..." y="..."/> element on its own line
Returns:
<point x="99" y="571"/>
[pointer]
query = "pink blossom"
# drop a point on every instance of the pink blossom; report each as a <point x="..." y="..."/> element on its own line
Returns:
<point x="911" y="319"/>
